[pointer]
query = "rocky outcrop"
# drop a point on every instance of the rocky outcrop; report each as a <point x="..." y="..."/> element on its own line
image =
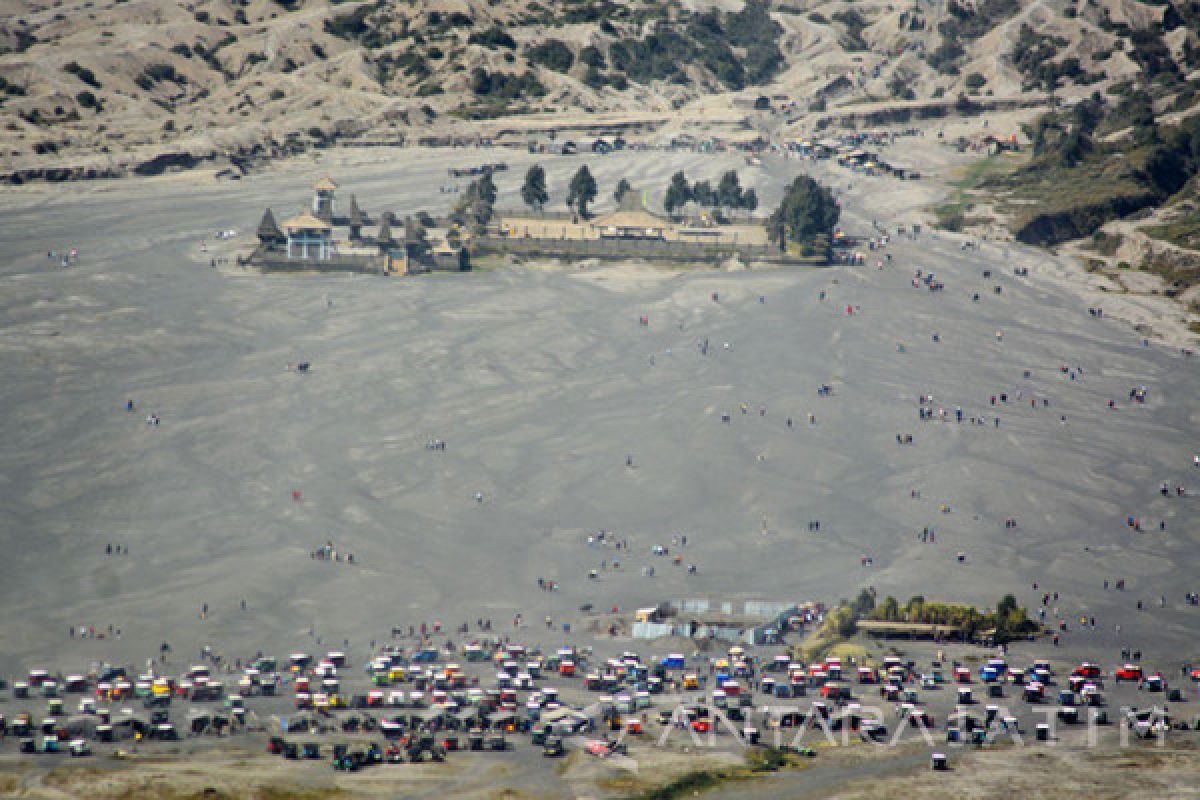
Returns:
<point x="59" y="174"/>
<point x="161" y="163"/>
<point x="239" y="162"/>
<point x="1054" y="227"/>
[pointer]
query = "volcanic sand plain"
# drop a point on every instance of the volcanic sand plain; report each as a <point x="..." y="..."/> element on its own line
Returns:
<point x="542" y="383"/>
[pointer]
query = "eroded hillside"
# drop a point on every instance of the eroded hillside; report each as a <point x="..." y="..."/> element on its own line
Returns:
<point x="100" y="85"/>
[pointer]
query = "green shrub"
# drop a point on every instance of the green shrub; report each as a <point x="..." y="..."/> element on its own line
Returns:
<point x="493" y="38"/>
<point x="553" y="54"/>
<point x="944" y="57"/>
<point x="593" y="57"/>
<point x="83" y="73"/>
<point x="163" y="72"/>
<point x="708" y="40"/>
<point x="88" y="100"/>
<point x="854" y="25"/>
<point x="965" y="22"/>
<point x="505" y="85"/>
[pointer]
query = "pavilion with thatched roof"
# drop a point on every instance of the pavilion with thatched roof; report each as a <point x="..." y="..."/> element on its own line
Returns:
<point x="308" y="237"/>
<point x="631" y="220"/>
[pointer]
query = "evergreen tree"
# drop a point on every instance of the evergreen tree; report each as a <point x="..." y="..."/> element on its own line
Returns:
<point x="533" y="192"/>
<point x="623" y="188"/>
<point x="679" y="193"/>
<point x="487" y="190"/>
<point x="890" y="609"/>
<point x="581" y="191"/>
<point x="807" y="211"/>
<point x="475" y="206"/>
<point x="729" y="191"/>
<point x="865" y="602"/>
<point x="843" y="620"/>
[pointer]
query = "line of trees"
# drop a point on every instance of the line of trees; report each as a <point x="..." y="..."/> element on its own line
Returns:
<point x="478" y="203"/>
<point x="806" y="216"/>
<point x="581" y="191"/>
<point x="1008" y="619"/>
<point x="728" y="194"/>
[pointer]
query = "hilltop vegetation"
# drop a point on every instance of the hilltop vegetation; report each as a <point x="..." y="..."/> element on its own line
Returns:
<point x="90" y="78"/>
<point x="1105" y="158"/>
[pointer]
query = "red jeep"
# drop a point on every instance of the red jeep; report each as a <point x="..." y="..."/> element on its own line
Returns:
<point x="1129" y="672"/>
